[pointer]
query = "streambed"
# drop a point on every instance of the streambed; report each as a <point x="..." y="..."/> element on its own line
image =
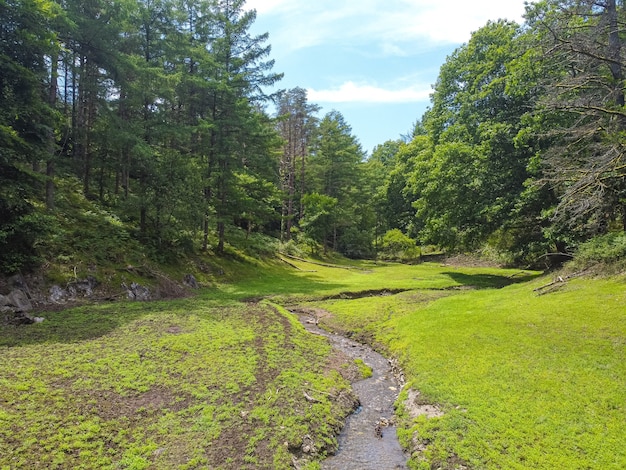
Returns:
<point x="368" y="441"/>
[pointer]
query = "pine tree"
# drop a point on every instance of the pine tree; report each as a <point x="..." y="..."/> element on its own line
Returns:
<point x="297" y="126"/>
<point x="240" y="72"/>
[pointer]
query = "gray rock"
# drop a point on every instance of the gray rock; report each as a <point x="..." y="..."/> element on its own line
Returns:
<point x="190" y="281"/>
<point x="137" y="292"/>
<point x="4" y="301"/>
<point x="57" y="294"/>
<point x="82" y="287"/>
<point x="22" y="318"/>
<point x="17" y="281"/>
<point x="19" y="300"/>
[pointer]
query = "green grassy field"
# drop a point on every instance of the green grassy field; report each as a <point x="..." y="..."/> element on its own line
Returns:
<point x="166" y="385"/>
<point x="525" y="381"/>
<point x="217" y="381"/>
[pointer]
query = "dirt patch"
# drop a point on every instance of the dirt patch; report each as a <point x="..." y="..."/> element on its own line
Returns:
<point x="415" y="406"/>
<point x="343" y="364"/>
<point x="110" y="405"/>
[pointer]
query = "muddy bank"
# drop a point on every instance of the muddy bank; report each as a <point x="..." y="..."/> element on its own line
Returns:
<point x="368" y="440"/>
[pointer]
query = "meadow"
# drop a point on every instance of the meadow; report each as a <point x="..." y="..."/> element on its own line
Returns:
<point x="524" y="378"/>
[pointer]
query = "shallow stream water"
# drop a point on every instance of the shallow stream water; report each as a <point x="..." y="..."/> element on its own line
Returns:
<point x="366" y="442"/>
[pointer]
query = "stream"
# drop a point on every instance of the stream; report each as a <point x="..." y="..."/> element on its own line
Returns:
<point x="368" y="440"/>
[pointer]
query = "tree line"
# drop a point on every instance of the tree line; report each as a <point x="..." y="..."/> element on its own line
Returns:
<point x="158" y="110"/>
<point x="522" y="148"/>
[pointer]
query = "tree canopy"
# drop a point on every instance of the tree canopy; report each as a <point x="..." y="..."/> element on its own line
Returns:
<point x="160" y="111"/>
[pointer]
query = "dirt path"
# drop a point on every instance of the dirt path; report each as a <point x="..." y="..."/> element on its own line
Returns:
<point x="368" y="440"/>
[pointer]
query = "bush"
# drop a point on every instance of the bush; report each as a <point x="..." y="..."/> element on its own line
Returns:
<point x="19" y="240"/>
<point x="290" y="248"/>
<point x="397" y="246"/>
<point x="609" y="249"/>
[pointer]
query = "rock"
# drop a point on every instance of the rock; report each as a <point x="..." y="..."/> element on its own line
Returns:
<point x="7" y="313"/>
<point x="190" y="281"/>
<point x="308" y="445"/>
<point x="18" y="282"/>
<point x="15" y="306"/>
<point x="82" y="287"/>
<point x="19" y="300"/>
<point x="22" y="318"/>
<point x="137" y="292"/>
<point x="57" y="294"/>
<point x="78" y="288"/>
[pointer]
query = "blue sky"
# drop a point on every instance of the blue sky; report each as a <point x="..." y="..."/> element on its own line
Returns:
<point x="373" y="60"/>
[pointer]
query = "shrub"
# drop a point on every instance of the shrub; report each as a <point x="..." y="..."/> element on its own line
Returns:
<point x="397" y="246"/>
<point x="609" y="249"/>
<point x="290" y="248"/>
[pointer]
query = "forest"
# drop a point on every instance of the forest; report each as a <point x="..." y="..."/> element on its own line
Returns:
<point x="156" y="114"/>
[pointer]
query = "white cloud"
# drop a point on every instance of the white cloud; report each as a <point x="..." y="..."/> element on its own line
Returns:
<point x="303" y="23"/>
<point x="350" y="92"/>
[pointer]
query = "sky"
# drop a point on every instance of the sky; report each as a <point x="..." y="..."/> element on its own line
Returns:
<point x="375" y="61"/>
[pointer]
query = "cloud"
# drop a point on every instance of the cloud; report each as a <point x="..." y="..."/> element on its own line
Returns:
<point x="393" y="23"/>
<point x="350" y="92"/>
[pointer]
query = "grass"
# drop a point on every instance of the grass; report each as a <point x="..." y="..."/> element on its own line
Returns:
<point x="164" y="385"/>
<point x="216" y="381"/>
<point x="526" y="381"/>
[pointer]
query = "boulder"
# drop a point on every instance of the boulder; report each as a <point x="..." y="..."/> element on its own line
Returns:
<point x="82" y="287"/>
<point x="190" y="281"/>
<point x="15" y="307"/>
<point x="75" y="289"/>
<point x="22" y="318"/>
<point x="137" y="292"/>
<point x="18" y="282"/>
<point x="19" y="300"/>
<point x="57" y="294"/>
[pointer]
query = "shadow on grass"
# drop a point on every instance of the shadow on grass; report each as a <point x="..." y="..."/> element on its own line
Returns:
<point x="75" y="324"/>
<point x="89" y="322"/>
<point x="489" y="281"/>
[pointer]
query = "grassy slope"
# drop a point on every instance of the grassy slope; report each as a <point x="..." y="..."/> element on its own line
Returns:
<point x="526" y="381"/>
<point x="543" y="379"/>
<point x="186" y="384"/>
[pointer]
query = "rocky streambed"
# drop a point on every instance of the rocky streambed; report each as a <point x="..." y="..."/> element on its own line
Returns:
<point x="368" y="440"/>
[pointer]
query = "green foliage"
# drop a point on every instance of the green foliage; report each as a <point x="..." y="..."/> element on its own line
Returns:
<point x="397" y="246"/>
<point x="583" y="112"/>
<point x="364" y="369"/>
<point x="20" y="239"/>
<point x="22" y="226"/>
<point x="607" y="250"/>
<point x="291" y="248"/>
<point x="465" y="186"/>
<point x="320" y="217"/>
<point x="336" y="171"/>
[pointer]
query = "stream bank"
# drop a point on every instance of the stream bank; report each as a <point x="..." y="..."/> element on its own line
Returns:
<point x="368" y="440"/>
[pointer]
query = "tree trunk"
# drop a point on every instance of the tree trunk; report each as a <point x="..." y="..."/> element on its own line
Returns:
<point x="52" y="100"/>
<point x="615" y="48"/>
<point x="220" y="237"/>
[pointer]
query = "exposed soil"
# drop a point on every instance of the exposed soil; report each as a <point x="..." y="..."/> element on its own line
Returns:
<point x="368" y="440"/>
